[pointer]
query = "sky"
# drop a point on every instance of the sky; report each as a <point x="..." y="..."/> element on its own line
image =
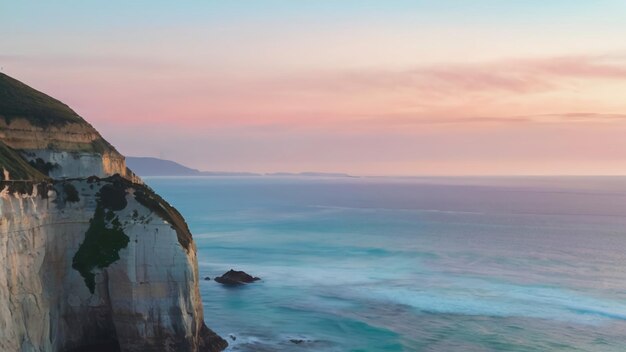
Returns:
<point x="388" y="87"/>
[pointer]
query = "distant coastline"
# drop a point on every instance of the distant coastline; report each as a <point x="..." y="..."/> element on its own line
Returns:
<point x="150" y="166"/>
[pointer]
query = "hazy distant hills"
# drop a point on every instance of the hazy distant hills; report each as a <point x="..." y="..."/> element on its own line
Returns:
<point x="148" y="166"/>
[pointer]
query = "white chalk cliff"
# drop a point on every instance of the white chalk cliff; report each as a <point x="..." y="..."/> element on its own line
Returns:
<point x="91" y="259"/>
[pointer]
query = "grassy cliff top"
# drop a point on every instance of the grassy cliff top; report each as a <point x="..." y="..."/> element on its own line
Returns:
<point x="18" y="168"/>
<point x="19" y="100"/>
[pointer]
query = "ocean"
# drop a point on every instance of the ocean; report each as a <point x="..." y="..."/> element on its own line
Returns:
<point x="411" y="264"/>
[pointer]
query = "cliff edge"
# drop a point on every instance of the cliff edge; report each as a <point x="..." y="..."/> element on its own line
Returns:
<point x="91" y="259"/>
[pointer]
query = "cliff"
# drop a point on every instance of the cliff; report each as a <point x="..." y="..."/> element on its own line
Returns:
<point x="91" y="259"/>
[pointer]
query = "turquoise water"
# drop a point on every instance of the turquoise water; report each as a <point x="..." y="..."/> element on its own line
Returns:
<point x="422" y="264"/>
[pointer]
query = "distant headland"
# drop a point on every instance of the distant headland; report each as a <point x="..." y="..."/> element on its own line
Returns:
<point x="149" y="166"/>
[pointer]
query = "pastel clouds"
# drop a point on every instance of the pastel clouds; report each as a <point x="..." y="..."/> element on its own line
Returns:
<point x="390" y="87"/>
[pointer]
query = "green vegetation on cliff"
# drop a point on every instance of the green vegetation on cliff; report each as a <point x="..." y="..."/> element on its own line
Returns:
<point x="43" y="166"/>
<point x="105" y="236"/>
<point x="19" y="100"/>
<point x="71" y="193"/>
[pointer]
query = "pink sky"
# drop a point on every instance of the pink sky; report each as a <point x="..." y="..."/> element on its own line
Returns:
<point x="408" y="92"/>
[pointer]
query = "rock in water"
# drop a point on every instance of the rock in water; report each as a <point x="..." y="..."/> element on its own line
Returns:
<point x="92" y="259"/>
<point x="233" y="277"/>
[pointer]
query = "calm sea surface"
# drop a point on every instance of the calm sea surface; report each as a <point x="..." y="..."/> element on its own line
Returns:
<point x="422" y="264"/>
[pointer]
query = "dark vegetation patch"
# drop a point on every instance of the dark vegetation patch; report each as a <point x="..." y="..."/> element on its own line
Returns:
<point x="18" y="186"/>
<point x="71" y="194"/>
<point x="18" y="100"/>
<point x="113" y="196"/>
<point x="105" y="236"/>
<point x="27" y="187"/>
<point x="43" y="188"/>
<point x="149" y="199"/>
<point x="43" y="166"/>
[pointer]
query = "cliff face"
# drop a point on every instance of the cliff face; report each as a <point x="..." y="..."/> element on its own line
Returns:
<point x="90" y="258"/>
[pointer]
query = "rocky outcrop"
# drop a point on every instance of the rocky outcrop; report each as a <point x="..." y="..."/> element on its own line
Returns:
<point x="235" y="278"/>
<point x="90" y="258"/>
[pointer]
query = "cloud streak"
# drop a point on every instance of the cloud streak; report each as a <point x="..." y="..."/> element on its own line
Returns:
<point x="503" y="92"/>
<point x="448" y="116"/>
<point x="569" y="118"/>
<point x="517" y="76"/>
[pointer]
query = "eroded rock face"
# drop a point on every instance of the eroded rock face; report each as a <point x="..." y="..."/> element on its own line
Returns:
<point x="65" y="154"/>
<point x="80" y="271"/>
<point x="90" y="258"/>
